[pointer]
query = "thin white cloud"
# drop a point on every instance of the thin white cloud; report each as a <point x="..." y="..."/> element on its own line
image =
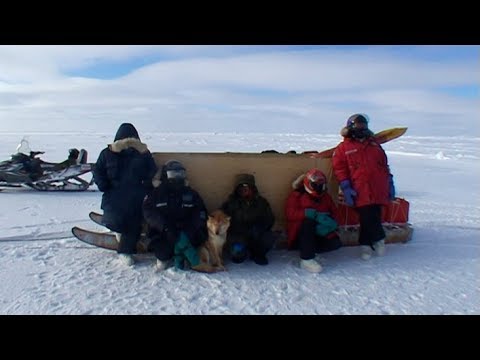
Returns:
<point x="215" y="87"/>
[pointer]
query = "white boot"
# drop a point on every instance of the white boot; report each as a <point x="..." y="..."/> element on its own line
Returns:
<point x="311" y="265"/>
<point x="379" y="247"/>
<point x="161" y="265"/>
<point x="126" y="259"/>
<point x="365" y="252"/>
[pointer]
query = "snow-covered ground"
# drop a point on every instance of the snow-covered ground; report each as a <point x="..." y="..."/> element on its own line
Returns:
<point x="44" y="270"/>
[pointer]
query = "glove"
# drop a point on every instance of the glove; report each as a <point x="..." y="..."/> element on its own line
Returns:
<point x="311" y="214"/>
<point x="349" y="193"/>
<point x="391" y="192"/>
<point x="325" y="224"/>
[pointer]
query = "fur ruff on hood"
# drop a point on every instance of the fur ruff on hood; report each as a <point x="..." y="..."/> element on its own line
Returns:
<point x="344" y="131"/>
<point x="126" y="143"/>
<point x="298" y="182"/>
<point x="244" y="179"/>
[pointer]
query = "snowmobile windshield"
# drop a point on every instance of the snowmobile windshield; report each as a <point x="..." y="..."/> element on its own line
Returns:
<point x="24" y="148"/>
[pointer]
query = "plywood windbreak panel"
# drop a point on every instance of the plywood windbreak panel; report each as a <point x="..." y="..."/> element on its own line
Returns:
<point x="213" y="175"/>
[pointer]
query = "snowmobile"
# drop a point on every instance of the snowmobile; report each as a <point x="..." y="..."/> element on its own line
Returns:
<point x="26" y="169"/>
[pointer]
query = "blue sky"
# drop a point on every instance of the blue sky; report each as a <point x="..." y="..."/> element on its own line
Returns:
<point x="293" y="89"/>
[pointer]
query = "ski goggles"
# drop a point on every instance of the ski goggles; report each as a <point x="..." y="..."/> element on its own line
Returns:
<point x="176" y="174"/>
<point x="318" y="187"/>
<point x="359" y="124"/>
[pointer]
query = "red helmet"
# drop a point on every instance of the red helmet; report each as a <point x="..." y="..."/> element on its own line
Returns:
<point x="315" y="182"/>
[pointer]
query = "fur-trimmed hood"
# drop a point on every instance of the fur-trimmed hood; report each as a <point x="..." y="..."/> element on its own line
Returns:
<point x="346" y="133"/>
<point x="244" y="179"/>
<point x="126" y="143"/>
<point x="298" y="182"/>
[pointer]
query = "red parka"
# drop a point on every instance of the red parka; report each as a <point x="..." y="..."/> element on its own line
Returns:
<point x="297" y="202"/>
<point x="365" y="165"/>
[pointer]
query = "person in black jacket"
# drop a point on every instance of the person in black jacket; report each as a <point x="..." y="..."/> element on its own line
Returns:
<point x="123" y="172"/>
<point x="177" y="219"/>
<point x="250" y="230"/>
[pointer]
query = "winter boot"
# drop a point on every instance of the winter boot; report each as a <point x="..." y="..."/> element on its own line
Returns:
<point x="379" y="247"/>
<point x="126" y="259"/>
<point x="365" y="252"/>
<point x="260" y="260"/>
<point x="161" y="265"/>
<point x="311" y="265"/>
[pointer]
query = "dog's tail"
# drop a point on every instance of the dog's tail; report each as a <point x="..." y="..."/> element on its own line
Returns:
<point x="207" y="268"/>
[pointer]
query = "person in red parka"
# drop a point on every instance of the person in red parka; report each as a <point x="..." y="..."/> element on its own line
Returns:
<point x="311" y="219"/>
<point x="361" y="168"/>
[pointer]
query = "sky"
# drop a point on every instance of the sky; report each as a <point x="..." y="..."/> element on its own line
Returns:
<point x="434" y="90"/>
<point x="44" y="270"/>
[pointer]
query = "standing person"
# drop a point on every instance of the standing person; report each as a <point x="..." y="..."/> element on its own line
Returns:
<point x="124" y="172"/>
<point x="361" y="168"/>
<point x="177" y="219"/>
<point x="251" y="222"/>
<point x="311" y="219"/>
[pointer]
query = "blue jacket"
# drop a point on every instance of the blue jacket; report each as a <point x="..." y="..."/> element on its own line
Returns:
<point x="124" y="172"/>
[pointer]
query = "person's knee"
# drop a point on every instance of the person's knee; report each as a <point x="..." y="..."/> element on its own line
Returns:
<point x="308" y="227"/>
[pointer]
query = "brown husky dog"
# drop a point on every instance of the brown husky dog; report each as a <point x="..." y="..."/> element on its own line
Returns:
<point x="211" y="252"/>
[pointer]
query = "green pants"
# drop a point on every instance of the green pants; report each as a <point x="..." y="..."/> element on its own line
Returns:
<point x="184" y="250"/>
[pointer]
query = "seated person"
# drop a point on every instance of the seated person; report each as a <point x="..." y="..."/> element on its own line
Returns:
<point x="176" y="217"/>
<point x="311" y="214"/>
<point x="251" y="222"/>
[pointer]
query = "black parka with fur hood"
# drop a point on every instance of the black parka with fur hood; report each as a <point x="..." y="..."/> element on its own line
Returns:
<point x="124" y="172"/>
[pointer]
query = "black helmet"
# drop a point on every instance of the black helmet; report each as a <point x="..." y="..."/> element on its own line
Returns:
<point x="357" y="126"/>
<point x="173" y="171"/>
<point x="357" y="119"/>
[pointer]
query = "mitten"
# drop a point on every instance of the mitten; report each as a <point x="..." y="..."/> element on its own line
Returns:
<point x="348" y="192"/>
<point x="325" y="224"/>
<point x="391" y="192"/>
<point x="310" y="214"/>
